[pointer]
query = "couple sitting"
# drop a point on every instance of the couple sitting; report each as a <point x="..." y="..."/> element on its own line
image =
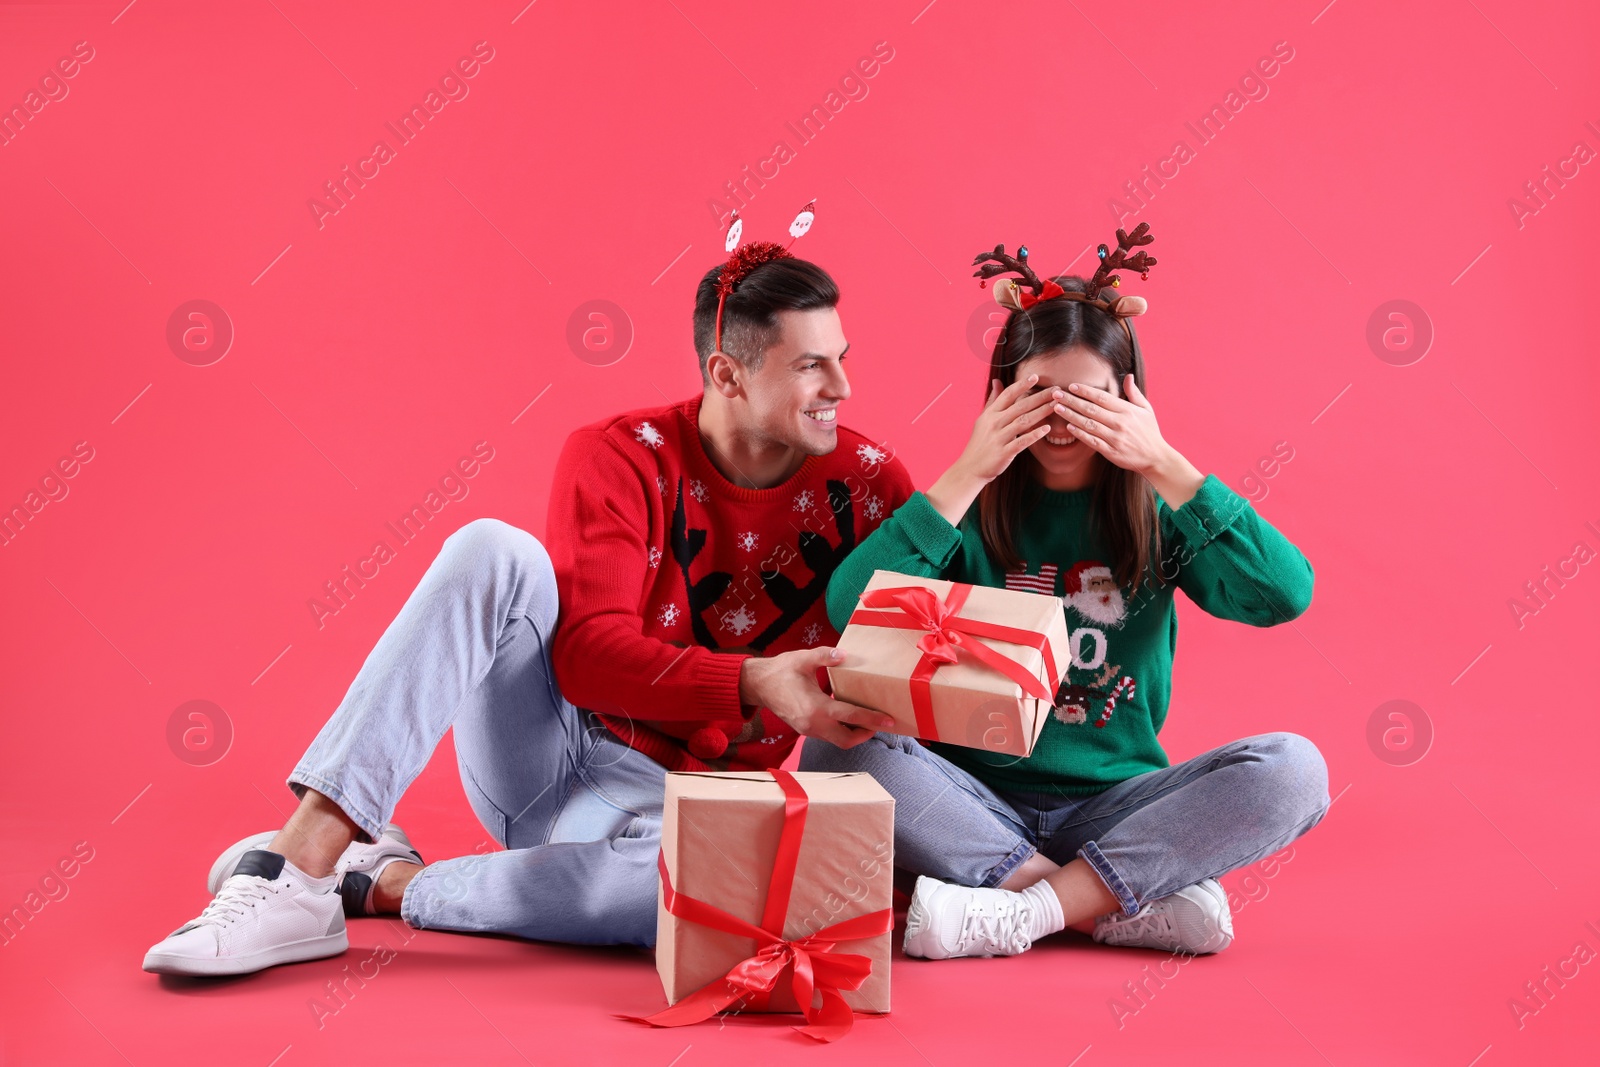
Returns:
<point x="700" y="559"/>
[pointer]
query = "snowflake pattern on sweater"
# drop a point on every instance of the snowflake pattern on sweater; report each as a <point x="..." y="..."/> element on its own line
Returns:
<point x="646" y="434"/>
<point x="721" y="572"/>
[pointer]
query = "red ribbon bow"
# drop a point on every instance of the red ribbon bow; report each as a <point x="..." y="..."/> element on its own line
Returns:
<point x="920" y="608"/>
<point x="814" y="965"/>
<point x="1047" y="291"/>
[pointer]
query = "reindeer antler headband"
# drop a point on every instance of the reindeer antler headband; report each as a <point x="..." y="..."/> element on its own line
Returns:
<point x="1021" y="294"/>
<point x="742" y="261"/>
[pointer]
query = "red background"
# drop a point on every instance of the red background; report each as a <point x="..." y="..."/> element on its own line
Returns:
<point x="372" y="351"/>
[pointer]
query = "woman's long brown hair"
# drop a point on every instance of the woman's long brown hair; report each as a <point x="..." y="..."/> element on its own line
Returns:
<point x="1123" y="507"/>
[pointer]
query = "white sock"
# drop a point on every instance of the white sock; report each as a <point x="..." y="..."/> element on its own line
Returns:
<point x="1044" y="910"/>
<point x="324" y="884"/>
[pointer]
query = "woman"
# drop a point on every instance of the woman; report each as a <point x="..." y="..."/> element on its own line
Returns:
<point x="1067" y="487"/>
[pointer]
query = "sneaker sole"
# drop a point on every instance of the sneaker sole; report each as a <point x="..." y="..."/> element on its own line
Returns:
<point x="314" y="948"/>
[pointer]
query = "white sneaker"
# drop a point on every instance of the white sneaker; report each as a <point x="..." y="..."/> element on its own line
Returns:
<point x="358" y="867"/>
<point x="945" y="921"/>
<point x="361" y="864"/>
<point x="1195" y="920"/>
<point x="263" y="914"/>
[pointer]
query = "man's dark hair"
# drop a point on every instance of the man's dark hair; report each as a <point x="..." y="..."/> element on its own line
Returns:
<point x="750" y="316"/>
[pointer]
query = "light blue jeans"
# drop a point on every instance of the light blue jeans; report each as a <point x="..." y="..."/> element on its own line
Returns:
<point x="579" y="812"/>
<point x="1147" y="837"/>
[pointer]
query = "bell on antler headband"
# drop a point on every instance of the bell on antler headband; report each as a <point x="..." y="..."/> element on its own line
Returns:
<point x="1022" y="293"/>
<point x="741" y="261"/>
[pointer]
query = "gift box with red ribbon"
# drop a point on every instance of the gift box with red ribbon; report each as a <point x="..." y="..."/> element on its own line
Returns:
<point x="776" y="893"/>
<point x="967" y="664"/>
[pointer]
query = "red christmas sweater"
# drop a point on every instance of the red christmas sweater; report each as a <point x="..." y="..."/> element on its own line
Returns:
<point x="670" y="576"/>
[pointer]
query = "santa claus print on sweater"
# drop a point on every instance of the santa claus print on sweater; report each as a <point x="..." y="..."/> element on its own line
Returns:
<point x="1094" y="604"/>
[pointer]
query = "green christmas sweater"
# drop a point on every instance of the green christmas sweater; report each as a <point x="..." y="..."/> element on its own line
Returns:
<point x="1113" y="701"/>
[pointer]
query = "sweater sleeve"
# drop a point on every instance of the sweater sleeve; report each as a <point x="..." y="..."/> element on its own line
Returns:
<point x="1232" y="562"/>
<point x="916" y="539"/>
<point x="595" y="533"/>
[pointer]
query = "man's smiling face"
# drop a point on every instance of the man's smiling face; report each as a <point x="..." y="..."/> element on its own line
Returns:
<point x="793" y="399"/>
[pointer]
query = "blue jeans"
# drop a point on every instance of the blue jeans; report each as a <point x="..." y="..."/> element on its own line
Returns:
<point x="1147" y="837"/>
<point x="579" y="812"/>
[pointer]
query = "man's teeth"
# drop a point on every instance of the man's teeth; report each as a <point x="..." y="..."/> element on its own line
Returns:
<point x="1067" y="440"/>
<point x="825" y="415"/>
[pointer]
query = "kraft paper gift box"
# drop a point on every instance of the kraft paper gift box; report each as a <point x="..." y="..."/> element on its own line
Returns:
<point x="967" y="664"/>
<point x="785" y="867"/>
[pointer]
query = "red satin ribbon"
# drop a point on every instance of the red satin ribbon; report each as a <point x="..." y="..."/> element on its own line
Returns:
<point x="816" y="968"/>
<point x="920" y="609"/>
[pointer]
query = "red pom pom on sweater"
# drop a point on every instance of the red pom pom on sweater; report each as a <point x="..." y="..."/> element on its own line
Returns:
<point x="708" y="743"/>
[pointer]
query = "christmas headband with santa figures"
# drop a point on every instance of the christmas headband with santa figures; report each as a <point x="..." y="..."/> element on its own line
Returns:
<point x="1022" y="294"/>
<point x="742" y="261"/>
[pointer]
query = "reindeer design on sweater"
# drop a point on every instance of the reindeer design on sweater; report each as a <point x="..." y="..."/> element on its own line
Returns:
<point x="792" y="600"/>
<point x="1074" y="702"/>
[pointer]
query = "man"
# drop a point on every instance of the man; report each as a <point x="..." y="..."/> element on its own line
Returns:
<point x="687" y="552"/>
